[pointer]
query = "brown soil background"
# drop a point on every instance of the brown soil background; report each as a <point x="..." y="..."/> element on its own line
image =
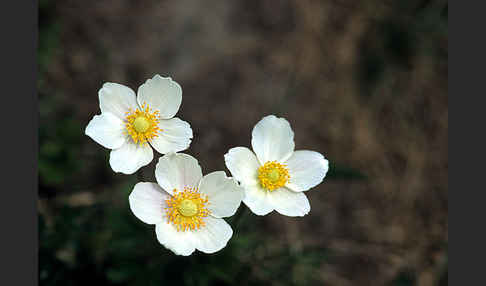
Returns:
<point x="362" y="82"/>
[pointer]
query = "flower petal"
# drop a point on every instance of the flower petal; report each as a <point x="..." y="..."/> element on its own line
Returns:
<point x="307" y="169"/>
<point x="117" y="99"/>
<point x="224" y="194"/>
<point x="147" y="202"/>
<point x="179" y="242"/>
<point x="213" y="236"/>
<point x="161" y="93"/>
<point x="175" y="136"/>
<point x="130" y="157"/>
<point x="272" y="139"/>
<point x="107" y="130"/>
<point x="289" y="203"/>
<point x="243" y="165"/>
<point x="176" y="171"/>
<point x="256" y="199"/>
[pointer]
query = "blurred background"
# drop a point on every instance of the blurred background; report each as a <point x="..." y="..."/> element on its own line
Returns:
<point x="362" y="82"/>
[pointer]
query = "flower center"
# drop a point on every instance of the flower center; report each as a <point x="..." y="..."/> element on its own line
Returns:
<point x="142" y="124"/>
<point x="273" y="175"/>
<point x="186" y="210"/>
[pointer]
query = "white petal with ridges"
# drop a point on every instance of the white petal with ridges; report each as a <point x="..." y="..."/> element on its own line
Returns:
<point x="256" y="199"/>
<point x="289" y="203"/>
<point x="130" y="157"/>
<point x="177" y="171"/>
<point x="147" y="202"/>
<point x="213" y="236"/>
<point x="243" y="165"/>
<point x="307" y="169"/>
<point x="224" y="194"/>
<point x="179" y="242"/>
<point x="117" y="99"/>
<point x="272" y="139"/>
<point x="107" y="130"/>
<point x="162" y="94"/>
<point x="175" y="136"/>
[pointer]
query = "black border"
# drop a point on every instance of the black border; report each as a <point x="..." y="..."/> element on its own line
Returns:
<point x="466" y="193"/>
<point x="18" y="211"/>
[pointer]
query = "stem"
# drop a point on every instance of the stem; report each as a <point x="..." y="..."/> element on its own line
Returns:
<point x="238" y="219"/>
<point x="140" y="176"/>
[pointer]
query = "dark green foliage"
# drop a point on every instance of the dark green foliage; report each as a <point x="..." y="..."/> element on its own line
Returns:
<point x="404" y="278"/>
<point x="106" y="243"/>
<point x="344" y="173"/>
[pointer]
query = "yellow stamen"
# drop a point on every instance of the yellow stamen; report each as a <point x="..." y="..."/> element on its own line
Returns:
<point x="142" y="124"/>
<point x="273" y="175"/>
<point x="186" y="210"/>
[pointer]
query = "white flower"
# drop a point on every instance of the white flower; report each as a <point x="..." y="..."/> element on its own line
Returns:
<point x="187" y="208"/>
<point x="128" y="124"/>
<point x="277" y="176"/>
